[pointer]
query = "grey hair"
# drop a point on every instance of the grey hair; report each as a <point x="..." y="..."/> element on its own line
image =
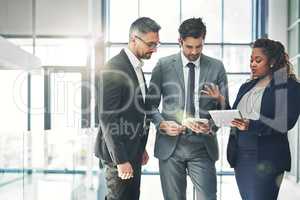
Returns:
<point x="144" y="25"/>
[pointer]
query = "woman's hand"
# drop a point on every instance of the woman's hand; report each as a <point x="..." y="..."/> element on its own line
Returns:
<point x="214" y="92"/>
<point x="241" y="124"/>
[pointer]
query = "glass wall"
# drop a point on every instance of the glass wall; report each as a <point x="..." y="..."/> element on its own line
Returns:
<point x="14" y="143"/>
<point x="51" y="138"/>
<point x="294" y="53"/>
<point x="44" y="148"/>
<point x="224" y="20"/>
<point x="224" y="40"/>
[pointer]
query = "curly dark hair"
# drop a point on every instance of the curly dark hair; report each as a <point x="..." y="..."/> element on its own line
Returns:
<point x="193" y="27"/>
<point x="275" y="52"/>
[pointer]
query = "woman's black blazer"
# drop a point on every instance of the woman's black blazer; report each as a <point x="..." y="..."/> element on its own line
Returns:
<point x="280" y="108"/>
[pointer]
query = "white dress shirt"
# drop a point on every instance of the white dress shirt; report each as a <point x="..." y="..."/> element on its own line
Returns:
<point x="137" y="65"/>
<point x="185" y="61"/>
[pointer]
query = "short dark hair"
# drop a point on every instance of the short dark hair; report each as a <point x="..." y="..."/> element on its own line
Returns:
<point x="193" y="27"/>
<point x="275" y="51"/>
<point x="144" y="25"/>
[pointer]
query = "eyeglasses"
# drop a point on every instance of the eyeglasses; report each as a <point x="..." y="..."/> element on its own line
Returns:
<point x="151" y="45"/>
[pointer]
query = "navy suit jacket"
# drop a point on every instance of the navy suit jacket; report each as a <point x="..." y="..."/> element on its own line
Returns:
<point x="279" y="112"/>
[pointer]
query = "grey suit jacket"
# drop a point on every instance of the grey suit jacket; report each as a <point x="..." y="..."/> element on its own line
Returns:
<point x="167" y="81"/>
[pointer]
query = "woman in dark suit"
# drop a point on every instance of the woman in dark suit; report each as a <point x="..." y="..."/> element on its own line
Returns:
<point x="258" y="147"/>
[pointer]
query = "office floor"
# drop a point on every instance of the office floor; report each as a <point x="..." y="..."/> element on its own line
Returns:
<point x="76" y="187"/>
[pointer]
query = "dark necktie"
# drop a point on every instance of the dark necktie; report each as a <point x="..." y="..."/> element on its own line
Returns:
<point x="190" y="104"/>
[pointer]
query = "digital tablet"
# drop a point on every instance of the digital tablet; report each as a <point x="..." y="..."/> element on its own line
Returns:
<point x="224" y="117"/>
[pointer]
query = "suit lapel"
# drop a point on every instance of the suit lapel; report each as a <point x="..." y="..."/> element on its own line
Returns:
<point x="204" y="68"/>
<point x="146" y="88"/>
<point x="243" y="92"/>
<point x="133" y="75"/>
<point x="130" y="68"/>
<point x="179" y="70"/>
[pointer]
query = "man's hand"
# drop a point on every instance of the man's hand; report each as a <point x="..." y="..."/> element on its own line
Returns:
<point x="145" y="158"/>
<point x="196" y="125"/>
<point x="171" y="128"/>
<point x="125" y="170"/>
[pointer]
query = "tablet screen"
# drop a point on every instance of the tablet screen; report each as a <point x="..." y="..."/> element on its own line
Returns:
<point x="224" y="117"/>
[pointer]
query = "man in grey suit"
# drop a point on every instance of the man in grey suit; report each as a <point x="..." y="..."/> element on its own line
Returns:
<point x="186" y="143"/>
<point x="123" y="130"/>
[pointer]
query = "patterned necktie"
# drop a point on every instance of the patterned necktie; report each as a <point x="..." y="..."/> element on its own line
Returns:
<point x="190" y="103"/>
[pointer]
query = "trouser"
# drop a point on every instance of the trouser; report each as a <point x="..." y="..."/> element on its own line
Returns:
<point x="118" y="189"/>
<point x="192" y="159"/>
<point x="256" y="181"/>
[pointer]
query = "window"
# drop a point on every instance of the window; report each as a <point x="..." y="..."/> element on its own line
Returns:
<point x="224" y="40"/>
<point x="224" y="20"/>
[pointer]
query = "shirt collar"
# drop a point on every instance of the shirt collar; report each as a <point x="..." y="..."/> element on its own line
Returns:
<point x="133" y="59"/>
<point x="185" y="61"/>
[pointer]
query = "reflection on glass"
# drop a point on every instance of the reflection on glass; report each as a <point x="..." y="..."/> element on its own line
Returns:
<point x="210" y="13"/>
<point x="121" y="15"/>
<point x="237" y="21"/>
<point x="237" y="58"/>
<point x="155" y="9"/>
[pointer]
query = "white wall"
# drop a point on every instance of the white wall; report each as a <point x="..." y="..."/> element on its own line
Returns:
<point x="63" y="17"/>
<point x="15" y="16"/>
<point x="53" y="17"/>
<point x="278" y="20"/>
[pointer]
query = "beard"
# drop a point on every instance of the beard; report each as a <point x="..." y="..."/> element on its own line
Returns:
<point x="193" y="57"/>
<point x="146" y="56"/>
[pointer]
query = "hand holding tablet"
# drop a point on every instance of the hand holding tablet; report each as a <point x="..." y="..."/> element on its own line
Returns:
<point x="225" y="117"/>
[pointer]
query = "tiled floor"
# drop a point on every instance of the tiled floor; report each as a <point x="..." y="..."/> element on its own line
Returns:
<point x="70" y="187"/>
<point x="76" y="187"/>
